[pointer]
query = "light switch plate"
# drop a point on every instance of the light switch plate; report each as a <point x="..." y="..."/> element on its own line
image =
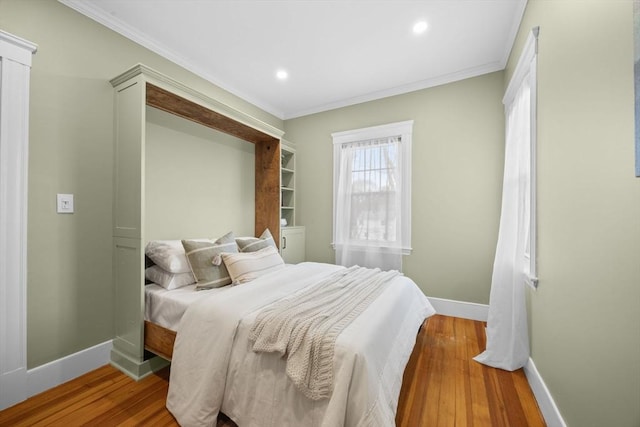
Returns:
<point x="65" y="203"/>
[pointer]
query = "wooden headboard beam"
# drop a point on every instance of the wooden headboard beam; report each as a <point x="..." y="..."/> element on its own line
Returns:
<point x="175" y="104"/>
<point x="267" y="152"/>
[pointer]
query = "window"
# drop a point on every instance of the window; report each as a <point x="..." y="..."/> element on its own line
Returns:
<point x="372" y="195"/>
<point x="520" y="113"/>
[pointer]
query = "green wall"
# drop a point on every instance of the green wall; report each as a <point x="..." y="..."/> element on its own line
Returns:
<point x="69" y="284"/>
<point x="585" y="314"/>
<point x="584" y="317"/>
<point x="458" y="154"/>
<point x="199" y="182"/>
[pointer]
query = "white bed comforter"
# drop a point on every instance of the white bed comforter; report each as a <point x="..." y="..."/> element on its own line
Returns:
<point x="214" y="367"/>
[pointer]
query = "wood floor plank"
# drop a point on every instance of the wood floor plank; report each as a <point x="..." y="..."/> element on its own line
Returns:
<point x="447" y="400"/>
<point x="515" y="415"/>
<point x="529" y="406"/>
<point x="464" y="410"/>
<point x="432" y="371"/>
<point x="496" y="399"/>
<point x="442" y="386"/>
<point x="479" y="399"/>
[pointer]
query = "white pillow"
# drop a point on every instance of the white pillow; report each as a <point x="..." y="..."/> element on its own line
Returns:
<point x="169" y="254"/>
<point x="168" y="280"/>
<point x="246" y="266"/>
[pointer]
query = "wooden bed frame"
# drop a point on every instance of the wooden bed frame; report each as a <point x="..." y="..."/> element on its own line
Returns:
<point x="159" y="340"/>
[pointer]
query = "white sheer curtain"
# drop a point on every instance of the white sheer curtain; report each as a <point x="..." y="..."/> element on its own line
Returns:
<point x="507" y="331"/>
<point x="372" y="202"/>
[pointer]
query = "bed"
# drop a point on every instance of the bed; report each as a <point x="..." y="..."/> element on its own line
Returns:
<point x="214" y="367"/>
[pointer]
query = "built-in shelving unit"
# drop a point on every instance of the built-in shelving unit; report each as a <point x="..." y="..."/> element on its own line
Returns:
<point x="135" y="90"/>
<point x="292" y="235"/>
<point x="288" y="184"/>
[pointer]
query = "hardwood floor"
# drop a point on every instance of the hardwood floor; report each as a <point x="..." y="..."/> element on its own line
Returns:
<point x="442" y="386"/>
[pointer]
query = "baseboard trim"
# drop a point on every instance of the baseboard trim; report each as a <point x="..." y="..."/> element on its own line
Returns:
<point x="135" y="369"/>
<point x="13" y="388"/>
<point x="465" y="310"/>
<point x="67" y="368"/>
<point x="547" y="405"/>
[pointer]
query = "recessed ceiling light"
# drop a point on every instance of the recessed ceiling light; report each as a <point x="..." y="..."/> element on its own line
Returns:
<point x="420" y="27"/>
<point x="282" y="74"/>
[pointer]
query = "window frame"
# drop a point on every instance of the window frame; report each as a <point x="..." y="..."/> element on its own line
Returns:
<point x="403" y="130"/>
<point x="527" y="68"/>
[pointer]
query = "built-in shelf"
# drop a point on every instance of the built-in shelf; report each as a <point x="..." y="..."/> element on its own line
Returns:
<point x="287" y="183"/>
<point x="292" y="236"/>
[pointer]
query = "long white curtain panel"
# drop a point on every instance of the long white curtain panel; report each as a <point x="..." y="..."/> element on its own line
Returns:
<point x="507" y="330"/>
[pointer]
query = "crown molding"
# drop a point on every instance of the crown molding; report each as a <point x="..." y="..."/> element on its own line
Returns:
<point x="401" y="90"/>
<point x="16" y="49"/>
<point x="93" y="12"/>
<point x="513" y="33"/>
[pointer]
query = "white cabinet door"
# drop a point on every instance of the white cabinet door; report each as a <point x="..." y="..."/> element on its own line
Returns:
<point x="292" y="241"/>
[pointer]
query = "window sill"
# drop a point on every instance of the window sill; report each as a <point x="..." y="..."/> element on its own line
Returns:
<point x="381" y="249"/>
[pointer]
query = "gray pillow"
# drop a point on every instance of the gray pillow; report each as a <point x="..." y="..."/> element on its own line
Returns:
<point x="247" y="266"/>
<point x="204" y="259"/>
<point x="253" y="244"/>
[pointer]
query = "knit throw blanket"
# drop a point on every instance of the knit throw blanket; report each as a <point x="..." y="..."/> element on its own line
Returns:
<point x="305" y="326"/>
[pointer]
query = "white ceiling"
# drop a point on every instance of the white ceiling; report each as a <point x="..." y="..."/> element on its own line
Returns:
<point x="337" y="53"/>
